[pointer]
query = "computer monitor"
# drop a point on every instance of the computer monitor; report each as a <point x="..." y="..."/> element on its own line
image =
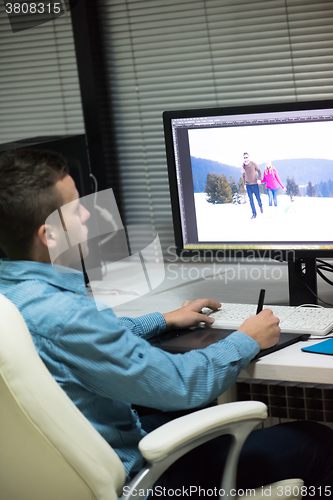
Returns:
<point x="210" y="201"/>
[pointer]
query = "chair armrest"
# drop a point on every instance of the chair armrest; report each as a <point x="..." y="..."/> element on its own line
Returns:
<point x="162" y="441"/>
<point x="167" y="443"/>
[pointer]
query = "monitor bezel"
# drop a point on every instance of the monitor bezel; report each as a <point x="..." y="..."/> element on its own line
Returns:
<point x="277" y="253"/>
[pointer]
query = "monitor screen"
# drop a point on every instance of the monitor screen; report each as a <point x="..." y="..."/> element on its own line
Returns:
<point x="252" y="178"/>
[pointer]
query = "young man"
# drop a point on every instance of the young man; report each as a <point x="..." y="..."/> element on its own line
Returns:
<point x="105" y="364"/>
<point x="251" y="176"/>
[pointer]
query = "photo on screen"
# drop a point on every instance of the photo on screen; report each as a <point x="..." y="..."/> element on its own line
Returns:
<point x="302" y="158"/>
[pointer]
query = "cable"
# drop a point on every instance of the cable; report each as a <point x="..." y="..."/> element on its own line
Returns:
<point x="96" y="187"/>
<point x="319" y="337"/>
<point x="109" y="218"/>
<point x="324" y="277"/>
<point x="307" y="286"/>
<point x="105" y="214"/>
<point x="325" y="266"/>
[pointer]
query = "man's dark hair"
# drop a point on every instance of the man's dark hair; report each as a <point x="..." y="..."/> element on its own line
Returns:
<point x="27" y="196"/>
<point x="245" y="154"/>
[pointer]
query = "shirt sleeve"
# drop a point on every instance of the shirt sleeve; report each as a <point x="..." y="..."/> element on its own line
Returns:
<point x="102" y="355"/>
<point x="259" y="171"/>
<point x="277" y="179"/>
<point x="147" y="326"/>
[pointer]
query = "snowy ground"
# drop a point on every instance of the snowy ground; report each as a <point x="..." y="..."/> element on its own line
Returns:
<point x="305" y="219"/>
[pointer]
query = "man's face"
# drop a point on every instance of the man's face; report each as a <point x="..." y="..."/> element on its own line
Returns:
<point x="74" y="215"/>
<point x="246" y="159"/>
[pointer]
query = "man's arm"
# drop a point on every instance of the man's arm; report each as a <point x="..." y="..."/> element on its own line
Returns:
<point x="109" y="360"/>
<point x="263" y="328"/>
<point x="258" y="171"/>
<point x="190" y="314"/>
<point x="263" y="181"/>
<point x="153" y="324"/>
<point x="146" y="326"/>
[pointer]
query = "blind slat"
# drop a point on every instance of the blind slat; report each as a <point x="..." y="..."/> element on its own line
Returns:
<point x="39" y="88"/>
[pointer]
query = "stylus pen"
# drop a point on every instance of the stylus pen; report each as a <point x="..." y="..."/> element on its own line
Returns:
<point x="261" y="300"/>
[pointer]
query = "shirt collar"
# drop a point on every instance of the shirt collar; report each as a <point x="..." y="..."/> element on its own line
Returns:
<point x="60" y="276"/>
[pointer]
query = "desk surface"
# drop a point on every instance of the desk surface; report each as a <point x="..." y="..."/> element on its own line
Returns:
<point x="227" y="282"/>
<point x="292" y="364"/>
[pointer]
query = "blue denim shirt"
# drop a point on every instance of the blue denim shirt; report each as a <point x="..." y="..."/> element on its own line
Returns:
<point x="104" y="363"/>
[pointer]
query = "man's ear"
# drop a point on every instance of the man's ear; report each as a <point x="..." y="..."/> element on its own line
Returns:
<point x="46" y="236"/>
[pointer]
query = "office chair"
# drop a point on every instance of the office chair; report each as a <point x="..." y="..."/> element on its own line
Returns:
<point x="49" y="450"/>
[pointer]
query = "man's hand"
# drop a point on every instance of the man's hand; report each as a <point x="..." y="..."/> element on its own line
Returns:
<point x="190" y="314"/>
<point x="263" y="328"/>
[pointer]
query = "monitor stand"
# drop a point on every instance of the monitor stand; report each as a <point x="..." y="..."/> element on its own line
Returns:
<point x="302" y="273"/>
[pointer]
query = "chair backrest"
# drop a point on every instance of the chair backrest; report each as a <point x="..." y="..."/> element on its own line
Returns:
<point x="48" y="449"/>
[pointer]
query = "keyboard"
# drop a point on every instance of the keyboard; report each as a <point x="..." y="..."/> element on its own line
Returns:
<point x="293" y="319"/>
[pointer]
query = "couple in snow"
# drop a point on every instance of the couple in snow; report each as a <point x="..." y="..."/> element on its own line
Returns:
<point x="252" y="179"/>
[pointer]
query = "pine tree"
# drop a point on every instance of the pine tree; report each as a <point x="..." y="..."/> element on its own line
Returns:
<point x="218" y="189"/>
<point x="233" y="185"/>
<point x="292" y="188"/>
<point x="241" y="187"/>
<point x="310" y="190"/>
<point x="225" y="190"/>
<point x="211" y="188"/>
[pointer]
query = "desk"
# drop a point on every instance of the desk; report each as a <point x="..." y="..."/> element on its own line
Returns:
<point x="292" y="364"/>
<point x="226" y="282"/>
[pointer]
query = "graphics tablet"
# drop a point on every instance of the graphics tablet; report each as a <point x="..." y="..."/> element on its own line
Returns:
<point x="180" y="341"/>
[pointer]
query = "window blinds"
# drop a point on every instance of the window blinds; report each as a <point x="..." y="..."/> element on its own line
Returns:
<point x="39" y="88"/>
<point x="179" y="54"/>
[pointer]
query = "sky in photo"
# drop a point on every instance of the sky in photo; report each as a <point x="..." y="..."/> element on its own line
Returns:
<point x="263" y="142"/>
